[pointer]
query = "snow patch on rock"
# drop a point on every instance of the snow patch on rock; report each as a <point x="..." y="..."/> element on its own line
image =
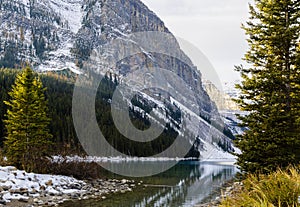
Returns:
<point x="17" y="183"/>
<point x="71" y="11"/>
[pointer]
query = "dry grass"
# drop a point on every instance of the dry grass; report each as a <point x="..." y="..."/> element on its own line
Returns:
<point x="279" y="189"/>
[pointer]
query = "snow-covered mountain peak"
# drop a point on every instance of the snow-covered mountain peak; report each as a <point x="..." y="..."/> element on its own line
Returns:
<point x="64" y="34"/>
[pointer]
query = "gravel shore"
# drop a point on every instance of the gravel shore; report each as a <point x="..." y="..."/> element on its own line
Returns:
<point x="21" y="189"/>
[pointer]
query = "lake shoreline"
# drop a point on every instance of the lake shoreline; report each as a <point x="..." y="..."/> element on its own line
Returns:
<point x="226" y="190"/>
<point x="29" y="189"/>
<point x="22" y="189"/>
<point x="98" y="192"/>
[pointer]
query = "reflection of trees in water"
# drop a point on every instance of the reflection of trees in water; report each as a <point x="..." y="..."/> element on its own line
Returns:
<point x="185" y="184"/>
<point x="175" y="174"/>
<point x="191" y="184"/>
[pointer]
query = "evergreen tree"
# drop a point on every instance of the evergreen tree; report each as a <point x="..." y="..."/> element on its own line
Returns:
<point x="59" y="92"/>
<point x="28" y="137"/>
<point x="270" y="89"/>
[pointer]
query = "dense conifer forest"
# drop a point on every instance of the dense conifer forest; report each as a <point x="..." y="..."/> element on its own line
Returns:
<point x="59" y="91"/>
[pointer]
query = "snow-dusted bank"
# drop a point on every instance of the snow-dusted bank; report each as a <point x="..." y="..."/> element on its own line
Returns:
<point x="90" y="159"/>
<point x="17" y="187"/>
<point x="211" y="155"/>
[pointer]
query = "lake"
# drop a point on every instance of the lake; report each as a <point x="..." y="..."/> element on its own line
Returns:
<point x="186" y="184"/>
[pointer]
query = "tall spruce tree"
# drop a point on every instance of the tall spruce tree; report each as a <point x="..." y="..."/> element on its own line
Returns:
<point x="28" y="137"/>
<point x="270" y="87"/>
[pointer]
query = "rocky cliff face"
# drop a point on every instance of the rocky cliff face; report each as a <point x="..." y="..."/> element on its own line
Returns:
<point x="59" y="34"/>
<point x="47" y="33"/>
<point x="227" y="107"/>
<point x="221" y="99"/>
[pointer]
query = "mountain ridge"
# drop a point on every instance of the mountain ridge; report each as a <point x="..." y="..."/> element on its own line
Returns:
<point x="50" y="38"/>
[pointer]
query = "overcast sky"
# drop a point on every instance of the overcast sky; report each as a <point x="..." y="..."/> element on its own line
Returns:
<point x="213" y="26"/>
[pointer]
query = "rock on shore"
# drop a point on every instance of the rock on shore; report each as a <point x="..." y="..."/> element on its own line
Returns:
<point x="19" y="188"/>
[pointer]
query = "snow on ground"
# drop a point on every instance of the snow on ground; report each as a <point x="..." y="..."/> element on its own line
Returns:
<point x="221" y="156"/>
<point x="60" y="59"/>
<point x="26" y="3"/>
<point x="214" y="153"/>
<point x="19" y="185"/>
<point x="232" y="121"/>
<point x="71" y="11"/>
<point x="89" y="159"/>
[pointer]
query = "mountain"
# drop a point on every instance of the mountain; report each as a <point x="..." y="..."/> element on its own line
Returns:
<point x="72" y="34"/>
<point x="230" y="89"/>
<point x="222" y="99"/>
<point x="228" y="109"/>
<point x="57" y="34"/>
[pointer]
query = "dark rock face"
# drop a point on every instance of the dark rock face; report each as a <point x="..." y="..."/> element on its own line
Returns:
<point x="58" y="34"/>
<point x="38" y="29"/>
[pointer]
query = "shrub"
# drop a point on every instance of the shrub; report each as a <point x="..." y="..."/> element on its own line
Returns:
<point x="76" y="169"/>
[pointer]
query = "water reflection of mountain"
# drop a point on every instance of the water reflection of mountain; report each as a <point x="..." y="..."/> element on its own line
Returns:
<point x="192" y="183"/>
<point x="186" y="184"/>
